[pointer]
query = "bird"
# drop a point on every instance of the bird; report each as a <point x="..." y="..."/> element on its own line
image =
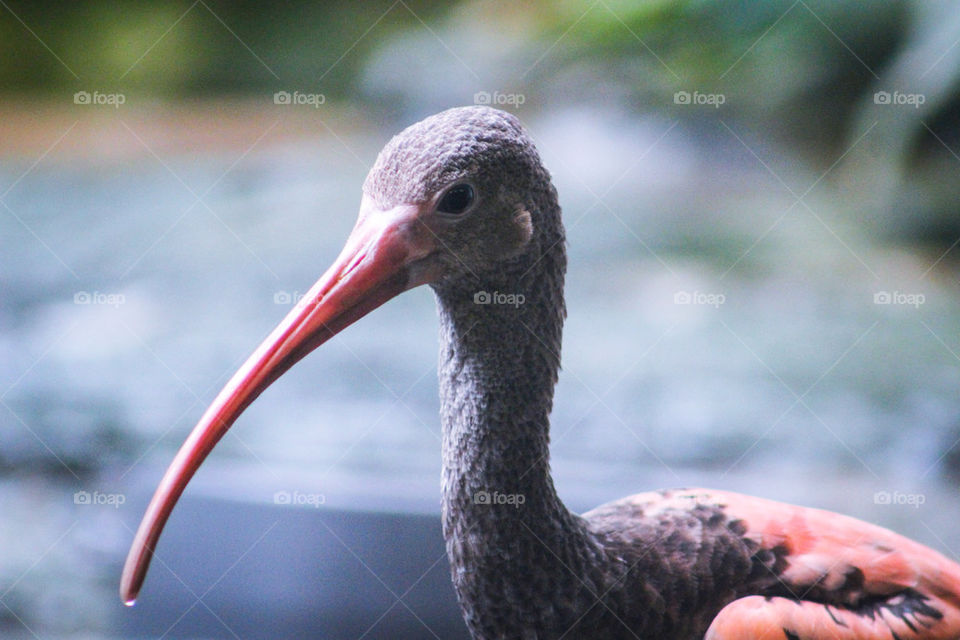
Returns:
<point x="462" y="202"/>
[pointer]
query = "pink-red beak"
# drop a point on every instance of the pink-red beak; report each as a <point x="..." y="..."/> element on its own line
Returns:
<point x="388" y="252"/>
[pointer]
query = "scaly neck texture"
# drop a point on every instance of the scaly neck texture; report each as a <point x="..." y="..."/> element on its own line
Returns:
<point x="511" y="542"/>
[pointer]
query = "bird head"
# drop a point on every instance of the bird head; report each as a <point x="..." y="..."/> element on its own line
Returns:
<point x="471" y="174"/>
<point x="450" y="197"/>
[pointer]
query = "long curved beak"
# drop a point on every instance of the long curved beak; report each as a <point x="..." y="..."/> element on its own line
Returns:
<point x="387" y="253"/>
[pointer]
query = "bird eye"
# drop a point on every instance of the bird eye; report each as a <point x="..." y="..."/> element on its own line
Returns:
<point x="456" y="200"/>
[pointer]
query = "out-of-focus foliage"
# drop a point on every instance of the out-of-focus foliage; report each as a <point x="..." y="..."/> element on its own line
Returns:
<point x="178" y="48"/>
<point x="808" y="61"/>
<point x="800" y="71"/>
<point x="810" y="58"/>
<point x="808" y="73"/>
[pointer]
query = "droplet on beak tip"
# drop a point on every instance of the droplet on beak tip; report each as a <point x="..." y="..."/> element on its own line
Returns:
<point x="130" y="602"/>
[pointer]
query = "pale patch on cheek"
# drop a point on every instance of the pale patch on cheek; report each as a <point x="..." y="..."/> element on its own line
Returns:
<point x="494" y="240"/>
<point x="522" y="228"/>
<point x="514" y="235"/>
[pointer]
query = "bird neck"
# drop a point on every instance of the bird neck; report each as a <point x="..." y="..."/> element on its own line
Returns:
<point x="498" y="368"/>
<point x="499" y="358"/>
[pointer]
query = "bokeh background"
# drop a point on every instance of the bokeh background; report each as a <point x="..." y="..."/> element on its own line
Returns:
<point x="761" y="206"/>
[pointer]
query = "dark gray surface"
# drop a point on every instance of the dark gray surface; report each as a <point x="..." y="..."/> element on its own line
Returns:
<point x="264" y="571"/>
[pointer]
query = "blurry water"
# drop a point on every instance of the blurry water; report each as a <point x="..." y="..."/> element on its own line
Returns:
<point x="719" y="334"/>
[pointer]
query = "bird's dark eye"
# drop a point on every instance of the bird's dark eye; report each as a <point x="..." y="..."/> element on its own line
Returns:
<point x="457" y="200"/>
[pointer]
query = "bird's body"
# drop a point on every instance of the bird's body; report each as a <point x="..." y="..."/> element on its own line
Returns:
<point x="462" y="202"/>
<point x="671" y="564"/>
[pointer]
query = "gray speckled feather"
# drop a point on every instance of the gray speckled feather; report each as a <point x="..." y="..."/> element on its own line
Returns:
<point x="532" y="570"/>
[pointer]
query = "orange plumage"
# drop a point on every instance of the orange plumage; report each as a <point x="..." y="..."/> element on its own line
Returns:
<point x="844" y="579"/>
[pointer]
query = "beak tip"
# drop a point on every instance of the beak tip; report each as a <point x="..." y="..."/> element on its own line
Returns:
<point x="128" y="592"/>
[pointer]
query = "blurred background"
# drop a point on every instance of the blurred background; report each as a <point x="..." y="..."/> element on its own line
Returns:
<point x="761" y="208"/>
